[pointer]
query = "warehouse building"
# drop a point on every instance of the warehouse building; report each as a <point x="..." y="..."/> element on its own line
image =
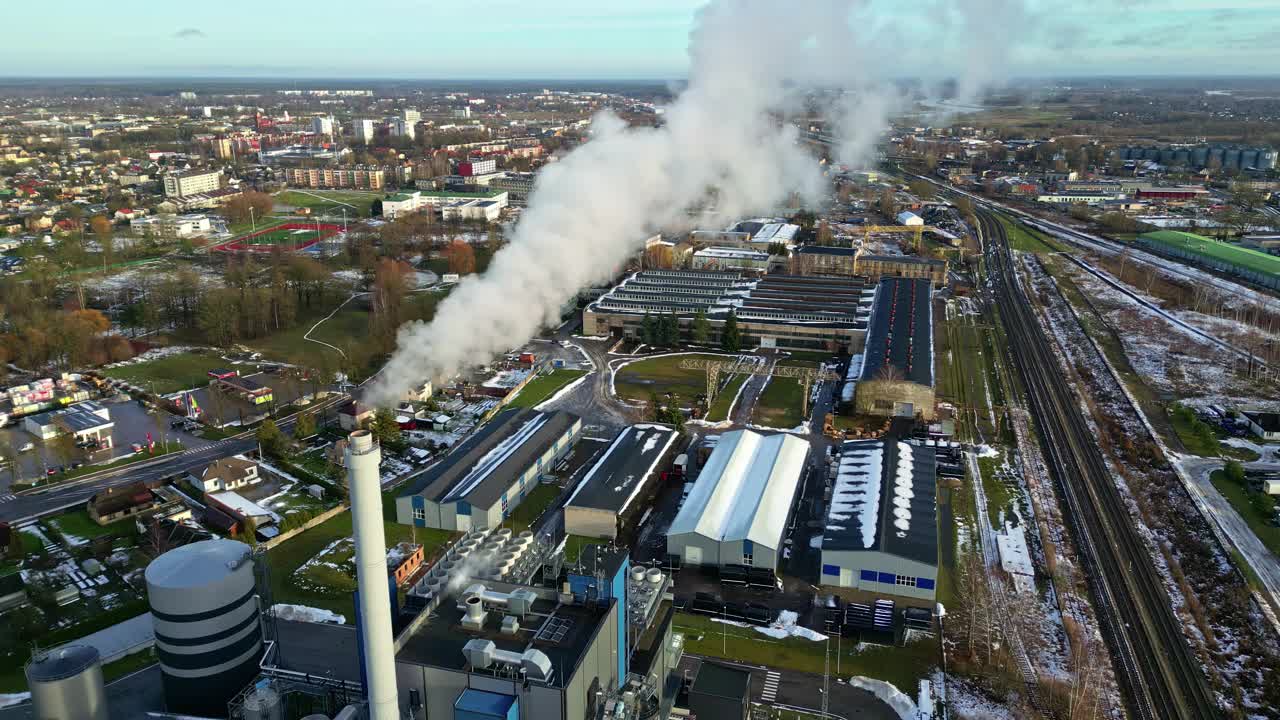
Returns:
<point x="881" y="534"/>
<point x="482" y="481"/>
<point x="737" y="512"/>
<point x="784" y="311"/>
<point x="608" y="494"/>
<point x="896" y="378"/>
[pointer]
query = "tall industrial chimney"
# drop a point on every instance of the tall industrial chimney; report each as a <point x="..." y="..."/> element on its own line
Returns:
<point x="363" y="476"/>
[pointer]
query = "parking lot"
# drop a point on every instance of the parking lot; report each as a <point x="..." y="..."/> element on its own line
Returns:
<point x="132" y="423"/>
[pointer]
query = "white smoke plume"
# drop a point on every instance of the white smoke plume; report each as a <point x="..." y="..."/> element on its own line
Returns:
<point x="727" y="141"/>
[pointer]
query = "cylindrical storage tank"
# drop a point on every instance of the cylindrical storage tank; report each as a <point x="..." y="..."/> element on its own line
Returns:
<point x="527" y="535"/>
<point x="263" y="704"/>
<point x="66" y="684"/>
<point x="204" y="606"/>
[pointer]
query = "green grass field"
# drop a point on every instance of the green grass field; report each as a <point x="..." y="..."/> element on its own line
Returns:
<point x="532" y="507"/>
<point x="78" y="524"/>
<point x="1213" y="252"/>
<point x="661" y="375"/>
<point x="779" y="405"/>
<point x="1023" y="238"/>
<point x="902" y="666"/>
<point x="284" y="559"/>
<point x="1258" y="522"/>
<point x="356" y="203"/>
<point x="286" y="236"/>
<point x="725" y="396"/>
<point x="539" y="389"/>
<point x="170" y="373"/>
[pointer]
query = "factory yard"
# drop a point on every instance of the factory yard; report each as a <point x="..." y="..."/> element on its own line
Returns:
<point x="314" y="568"/>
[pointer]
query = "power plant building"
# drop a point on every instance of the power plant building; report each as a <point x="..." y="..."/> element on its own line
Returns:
<point x="600" y="639"/>
<point x="881" y="533"/>
<point x="208" y="639"/>
<point x="611" y="489"/>
<point x="896" y="377"/>
<point x="825" y="314"/>
<point x="737" y="512"/>
<point x="482" y="481"/>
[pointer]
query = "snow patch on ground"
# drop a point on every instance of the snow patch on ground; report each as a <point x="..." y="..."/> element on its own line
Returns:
<point x="303" y="613"/>
<point x="11" y="699"/>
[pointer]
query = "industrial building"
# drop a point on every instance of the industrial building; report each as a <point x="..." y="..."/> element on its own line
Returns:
<point x="481" y="481"/>
<point x="601" y="638"/>
<point x="881" y="533"/>
<point x="737" y="511"/>
<point x="205" y="608"/>
<point x="829" y="260"/>
<point x="783" y="311"/>
<point x="608" y="493"/>
<point x="729" y="258"/>
<point x="896" y="377"/>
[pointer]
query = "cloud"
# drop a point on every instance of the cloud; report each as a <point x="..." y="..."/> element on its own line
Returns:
<point x="189" y="33"/>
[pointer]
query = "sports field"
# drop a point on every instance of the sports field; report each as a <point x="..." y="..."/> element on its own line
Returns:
<point x="1257" y="266"/>
<point x="287" y="236"/>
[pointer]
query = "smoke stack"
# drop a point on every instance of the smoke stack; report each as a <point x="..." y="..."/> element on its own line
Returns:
<point x="363" y="456"/>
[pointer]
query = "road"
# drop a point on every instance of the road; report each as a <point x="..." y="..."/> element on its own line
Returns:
<point x="44" y="501"/>
<point x="1219" y="509"/>
<point x="1157" y="670"/>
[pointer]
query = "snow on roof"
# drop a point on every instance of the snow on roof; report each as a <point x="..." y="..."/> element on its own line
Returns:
<point x="883" y="499"/>
<point x="745" y="490"/>
<point x="496" y="457"/>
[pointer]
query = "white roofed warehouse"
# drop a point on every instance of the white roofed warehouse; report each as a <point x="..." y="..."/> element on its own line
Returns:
<point x="738" y="509"/>
<point x="881" y="534"/>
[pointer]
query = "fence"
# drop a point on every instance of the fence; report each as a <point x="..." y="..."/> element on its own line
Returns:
<point x="326" y="515"/>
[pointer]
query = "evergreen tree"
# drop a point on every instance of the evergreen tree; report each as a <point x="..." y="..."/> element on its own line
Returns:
<point x="672" y="336"/>
<point x="730" y="337"/>
<point x="700" y="333"/>
<point x="656" y="410"/>
<point x="647" y="330"/>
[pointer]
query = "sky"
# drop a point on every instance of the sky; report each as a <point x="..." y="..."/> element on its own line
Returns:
<point x="588" y="39"/>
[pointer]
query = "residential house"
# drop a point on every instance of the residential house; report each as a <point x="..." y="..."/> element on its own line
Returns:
<point x="225" y="474"/>
<point x="118" y="503"/>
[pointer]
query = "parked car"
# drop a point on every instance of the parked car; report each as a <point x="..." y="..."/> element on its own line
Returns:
<point x="136" y="447"/>
<point x="27" y="447"/>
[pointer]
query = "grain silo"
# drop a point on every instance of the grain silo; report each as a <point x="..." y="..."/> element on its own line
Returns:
<point x="208" y="638"/>
<point x="66" y="684"/>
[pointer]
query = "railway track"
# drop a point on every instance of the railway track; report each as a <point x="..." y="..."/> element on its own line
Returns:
<point x="1155" y="667"/>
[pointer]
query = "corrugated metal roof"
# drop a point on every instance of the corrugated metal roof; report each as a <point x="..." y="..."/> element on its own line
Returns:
<point x="745" y="490"/>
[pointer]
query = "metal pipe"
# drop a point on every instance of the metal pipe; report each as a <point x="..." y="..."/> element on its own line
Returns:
<point x="363" y="456"/>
